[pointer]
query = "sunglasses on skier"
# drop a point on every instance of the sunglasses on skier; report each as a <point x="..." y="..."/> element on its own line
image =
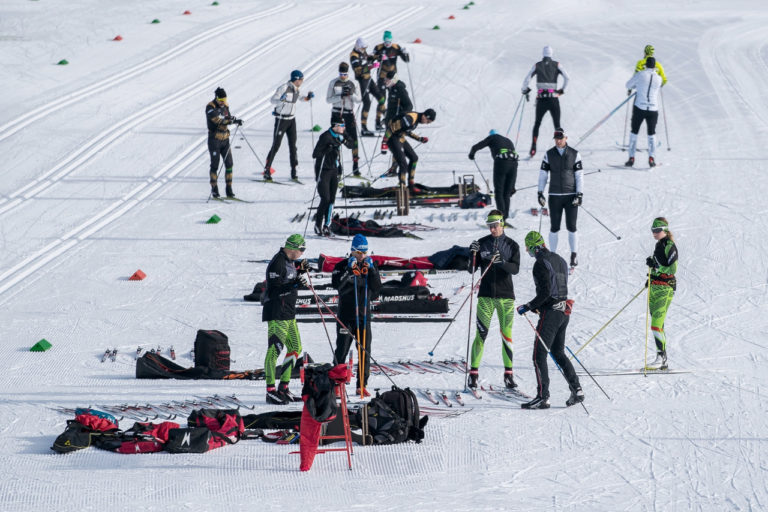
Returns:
<point x="658" y="230"/>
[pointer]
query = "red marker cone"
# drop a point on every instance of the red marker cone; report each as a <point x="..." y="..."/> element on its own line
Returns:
<point x="118" y="38"/>
<point x="417" y="40"/>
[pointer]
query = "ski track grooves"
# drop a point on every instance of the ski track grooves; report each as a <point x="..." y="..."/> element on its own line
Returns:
<point x="40" y="112"/>
<point x="53" y="250"/>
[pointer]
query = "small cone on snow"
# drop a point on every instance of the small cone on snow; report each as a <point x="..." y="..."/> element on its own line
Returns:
<point x="63" y="62"/>
<point x="436" y="27"/>
<point x="466" y="7"/>
<point x="155" y="21"/>
<point x="215" y="3"/>
<point x="417" y="40"/>
<point x="118" y="38"/>
<point x="271" y="170"/>
<point x="471" y="3"/>
<point x="187" y="13"/>
<point x="137" y="276"/>
<point x="40" y="346"/>
<point x="317" y="128"/>
<point x="215" y="219"/>
<point x="451" y="17"/>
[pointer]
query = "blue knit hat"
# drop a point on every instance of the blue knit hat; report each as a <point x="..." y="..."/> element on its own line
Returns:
<point x="359" y="243"/>
<point x="296" y="75"/>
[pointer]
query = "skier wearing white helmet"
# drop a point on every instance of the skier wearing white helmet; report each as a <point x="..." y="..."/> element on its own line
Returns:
<point x="362" y="64"/>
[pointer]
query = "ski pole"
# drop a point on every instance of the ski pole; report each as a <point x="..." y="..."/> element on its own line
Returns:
<point x="541" y="217"/>
<point x="360" y="142"/>
<point x="312" y="120"/>
<point x="410" y="83"/>
<point x="647" y="312"/>
<point x="626" y="121"/>
<point x="322" y="319"/>
<point x="365" y="329"/>
<point x="218" y="171"/>
<point x="251" y="147"/>
<point x="432" y="352"/>
<point x="514" y="116"/>
<point x="604" y="119"/>
<point x="311" y="205"/>
<point x="483" y="176"/>
<point x="585" y="369"/>
<point x="598" y="221"/>
<point x="609" y="321"/>
<point x="664" y="113"/>
<point x="357" y="338"/>
<point x="538" y="336"/>
<point x="519" y="123"/>
<point x="469" y="323"/>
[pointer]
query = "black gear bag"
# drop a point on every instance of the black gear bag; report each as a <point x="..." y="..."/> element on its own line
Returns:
<point x="212" y="350"/>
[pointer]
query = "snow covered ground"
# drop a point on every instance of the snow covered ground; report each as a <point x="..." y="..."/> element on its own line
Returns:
<point x="104" y="172"/>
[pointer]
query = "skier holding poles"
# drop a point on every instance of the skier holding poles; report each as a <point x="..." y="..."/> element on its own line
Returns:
<point x="504" y="168"/>
<point x="358" y="281"/>
<point x="387" y="53"/>
<point x="343" y="94"/>
<point x="497" y="292"/>
<point x="663" y="266"/>
<point x="362" y="64"/>
<point x="327" y="155"/>
<point x="646" y="108"/>
<point x="218" y="118"/>
<point x="550" y="275"/>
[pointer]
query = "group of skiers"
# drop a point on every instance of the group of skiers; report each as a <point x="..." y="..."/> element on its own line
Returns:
<point x="496" y="255"/>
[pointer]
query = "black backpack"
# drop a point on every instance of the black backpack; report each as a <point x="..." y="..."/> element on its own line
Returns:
<point x="385" y="426"/>
<point x="406" y="405"/>
<point x="212" y="350"/>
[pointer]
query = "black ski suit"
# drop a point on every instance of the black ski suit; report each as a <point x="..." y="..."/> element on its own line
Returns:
<point x="504" y="168"/>
<point x="355" y="310"/>
<point x="402" y="152"/>
<point x="218" y="119"/>
<point x="361" y="62"/>
<point x="327" y="155"/>
<point x="550" y="275"/>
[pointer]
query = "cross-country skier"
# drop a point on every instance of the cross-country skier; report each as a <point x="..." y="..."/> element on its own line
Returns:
<point x="504" y="168"/>
<point x="497" y="293"/>
<point x="547" y="91"/>
<point x="387" y="53"/>
<point x="648" y="51"/>
<point x="550" y="275"/>
<point x="284" y="100"/>
<point x="562" y="166"/>
<point x="218" y="118"/>
<point x="663" y="266"/>
<point x="646" y="108"/>
<point x="285" y="273"/>
<point x="363" y="64"/>
<point x="328" y="168"/>
<point x="343" y="94"/>
<point x="402" y="152"/>
<point x="398" y="103"/>
<point x="353" y="277"/>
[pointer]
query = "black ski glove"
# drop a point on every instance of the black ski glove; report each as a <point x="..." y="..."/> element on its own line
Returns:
<point x="577" y="200"/>
<point x="651" y="262"/>
<point x="542" y="200"/>
<point x="471" y="156"/>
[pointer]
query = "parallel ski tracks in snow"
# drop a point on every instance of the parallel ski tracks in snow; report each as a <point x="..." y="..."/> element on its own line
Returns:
<point x="56" y="248"/>
<point x="19" y="123"/>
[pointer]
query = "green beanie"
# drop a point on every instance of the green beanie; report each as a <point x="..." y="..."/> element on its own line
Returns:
<point x="533" y="239"/>
<point x="493" y="217"/>
<point x="648" y="50"/>
<point x="660" y="223"/>
<point x="295" y="242"/>
<point x="387" y="35"/>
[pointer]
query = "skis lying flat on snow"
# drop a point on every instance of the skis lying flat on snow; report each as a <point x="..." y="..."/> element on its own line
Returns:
<point x="444" y="397"/>
<point x="459" y="399"/>
<point x="275" y="182"/>
<point x="633" y="371"/>
<point x="634" y="168"/>
<point x="512" y="395"/>
<point x="430" y="396"/>
<point x="475" y="393"/>
<point x="442" y="412"/>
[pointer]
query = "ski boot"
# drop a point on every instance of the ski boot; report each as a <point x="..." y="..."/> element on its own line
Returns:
<point x="285" y="393"/>
<point x="318" y="230"/>
<point x="379" y="125"/>
<point x="230" y="194"/>
<point x="384" y="147"/>
<point x="355" y="166"/>
<point x="413" y="188"/>
<point x="660" y="363"/>
<point x="365" y="132"/>
<point x="537" y="403"/>
<point x="651" y="162"/>
<point x="274" y="397"/>
<point x="326" y="231"/>
<point x="577" y="396"/>
<point x="215" y="192"/>
<point x="267" y="175"/>
<point x="473" y="375"/>
<point x="533" y="147"/>
<point x="294" y="175"/>
<point x="630" y="162"/>
<point x="509" y="381"/>
<point x="574" y="260"/>
<point x="366" y="394"/>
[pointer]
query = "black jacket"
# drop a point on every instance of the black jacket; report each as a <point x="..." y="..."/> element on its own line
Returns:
<point x="550" y="275"/>
<point x="282" y="289"/>
<point x="327" y="152"/>
<point x="217" y="117"/>
<point x="343" y="280"/>
<point x="497" y="283"/>
<point x="500" y="146"/>
<point x="562" y="170"/>
<point x="399" y="101"/>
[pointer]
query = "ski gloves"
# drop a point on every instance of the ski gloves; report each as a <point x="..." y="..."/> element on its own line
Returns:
<point x="542" y="200"/>
<point x="474" y="246"/>
<point x="521" y="310"/>
<point x="577" y="200"/>
<point x="651" y="262"/>
<point x="233" y="120"/>
<point x="359" y="269"/>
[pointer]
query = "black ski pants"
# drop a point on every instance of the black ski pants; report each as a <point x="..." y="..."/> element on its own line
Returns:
<point x="504" y="178"/>
<point x="288" y="127"/>
<point x="344" y="343"/>
<point x="558" y="204"/>
<point x="327" y="186"/>
<point x="369" y="88"/>
<point x="216" y="148"/>
<point x="551" y="328"/>
<point x="544" y="105"/>
<point x="651" y="117"/>
<point x="405" y="157"/>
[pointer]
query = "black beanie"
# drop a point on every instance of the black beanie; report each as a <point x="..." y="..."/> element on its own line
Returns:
<point x="430" y="114"/>
<point x="343" y="67"/>
<point x="650" y="63"/>
<point x="221" y="93"/>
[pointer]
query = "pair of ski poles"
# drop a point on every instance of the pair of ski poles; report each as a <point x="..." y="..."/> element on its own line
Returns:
<point x="520" y="121"/>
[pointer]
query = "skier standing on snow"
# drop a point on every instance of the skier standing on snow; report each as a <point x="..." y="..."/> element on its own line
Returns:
<point x="504" y="168"/>
<point x="402" y="152"/>
<point x="641" y="65"/>
<point x="387" y="53"/>
<point x="663" y="266"/>
<point x="343" y="94"/>
<point x="354" y="277"/>
<point x="550" y="275"/>
<point x="328" y="169"/>
<point x="285" y="99"/>
<point x="547" y="92"/>
<point x="563" y="163"/>
<point x="285" y="273"/>
<point x="363" y="64"/>
<point x="398" y="103"/>
<point x="218" y="118"/>
<point x="496" y="292"/>
<point x="646" y="108"/>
